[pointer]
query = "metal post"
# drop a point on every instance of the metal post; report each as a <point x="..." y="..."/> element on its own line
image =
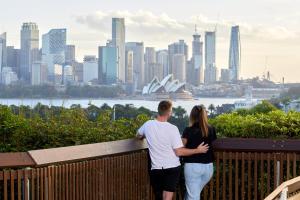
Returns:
<point x="283" y="195"/>
<point x="277" y="173"/>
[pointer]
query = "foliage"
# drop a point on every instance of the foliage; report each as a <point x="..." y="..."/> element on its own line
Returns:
<point x="263" y="107"/>
<point x="59" y="127"/>
<point x="274" y="124"/>
<point x="23" y="128"/>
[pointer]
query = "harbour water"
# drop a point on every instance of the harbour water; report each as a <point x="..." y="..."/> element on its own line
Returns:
<point x="152" y="105"/>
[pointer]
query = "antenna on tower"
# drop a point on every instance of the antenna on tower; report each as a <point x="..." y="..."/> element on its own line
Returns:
<point x="195" y="28"/>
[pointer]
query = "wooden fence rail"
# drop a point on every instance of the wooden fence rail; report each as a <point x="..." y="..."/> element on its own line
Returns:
<point x="120" y="171"/>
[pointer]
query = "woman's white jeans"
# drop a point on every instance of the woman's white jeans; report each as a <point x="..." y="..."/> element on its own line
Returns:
<point x="197" y="175"/>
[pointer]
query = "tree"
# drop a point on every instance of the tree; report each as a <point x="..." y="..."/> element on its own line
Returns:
<point x="211" y="109"/>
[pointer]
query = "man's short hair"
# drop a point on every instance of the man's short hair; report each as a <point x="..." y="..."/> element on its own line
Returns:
<point x="164" y="107"/>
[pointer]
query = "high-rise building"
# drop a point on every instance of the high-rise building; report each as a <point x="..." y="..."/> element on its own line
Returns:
<point x="53" y="49"/>
<point x="179" y="66"/>
<point x="118" y="41"/>
<point x="195" y="73"/>
<point x="68" y="75"/>
<point x="8" y="76"/>
<point x="29" y="49"/>
<point x="78" y="71"/>
<point x="235" y="54"/>
<point x="108" y="64"/>
<point x="225" y="75"/>
<point x="3" y="51"/>
<point x="70" y="54"/>
<point x="129" y="67"/>
<point x="13" y="59"/>
<point x="150" y="59"/>
<point x="39" y="73"/>
<point x="90" y="69"/>
<point x="163" y="60"/>
<point x="210" y="75"/>
<point x="179" y="47"/>
<point x="138" y="63"/>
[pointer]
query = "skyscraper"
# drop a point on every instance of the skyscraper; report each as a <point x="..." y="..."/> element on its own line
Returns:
<point x="3" y="51"/>
<point x="138" y="62"/>
<point x="118" y="40"/>
<point x="53" y="49"/>
<point x="13" y="59"/>
<point x="179" y="47"/>
<point x="179" y="66"/>
<point x="235" y="54"/>
<point x="210" y="57"/>
<point x="196" y="71"/>
<point x="163" y="60"/>
<point x="29" y="49"/>
<point x="150" y="59"/>
<point x="129" y="67"/>
<point x="90" y="69"/>
<point x="39" y="73"/>
<point x="70" y="54"/>
<point x="108" y="64"/>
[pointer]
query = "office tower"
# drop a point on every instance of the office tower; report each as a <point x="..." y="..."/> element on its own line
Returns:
<point x="29" y="49"/>
<point x="13" y="59"/>
<point x="210" y="58"/>
<point x="53" y="50"/>
<point x="138" y="63"/>
<point x="179" y="47"/>
<point x="150" y="59"/>
<point x="129" y="67"/>
<point x="78" y="71"/>
<point x="163" y="60"/>
<point x="39" y="73"/>
<point x="70" y="54"/>
<point x="225" y="75"/>
<point x="68" y="75"/>
<point x="108" y="64"/>
<point x="8" y="76"/>
<point x="179" y="66"/>
<point x="90" y="69"/>
<point x="118" y="41"/>
<point x="196" y="66"/>
<point x="235" y="54"/>
<point x="3" y="51"/>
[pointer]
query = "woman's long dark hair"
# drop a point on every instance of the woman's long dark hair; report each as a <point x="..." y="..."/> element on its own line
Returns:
<point x="199" y="115"/>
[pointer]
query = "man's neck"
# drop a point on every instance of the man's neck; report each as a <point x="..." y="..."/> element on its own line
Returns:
<point x="162" y="119"/>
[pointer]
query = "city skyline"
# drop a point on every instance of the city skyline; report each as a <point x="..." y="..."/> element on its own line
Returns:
<point x="263" y="37"/>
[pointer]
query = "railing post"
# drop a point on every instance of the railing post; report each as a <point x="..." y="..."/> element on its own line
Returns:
<point x="283" y="195"/>
<point x="277" y="173"/>
<point x="28" y="184"/>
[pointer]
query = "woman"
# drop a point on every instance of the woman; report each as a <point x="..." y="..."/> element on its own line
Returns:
<point x="198" y="169"/>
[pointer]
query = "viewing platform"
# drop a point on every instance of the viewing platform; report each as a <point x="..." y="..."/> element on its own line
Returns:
<point x="244" y="169"/>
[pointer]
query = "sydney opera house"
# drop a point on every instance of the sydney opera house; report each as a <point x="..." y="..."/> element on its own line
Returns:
<point x="168" y="88"/>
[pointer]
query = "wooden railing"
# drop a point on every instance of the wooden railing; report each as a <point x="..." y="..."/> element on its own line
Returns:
<point x="244" y="169"/>
<point x="288" y="190"/>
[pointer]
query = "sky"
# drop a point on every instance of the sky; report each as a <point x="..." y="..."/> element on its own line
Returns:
<point x="270" y="29"/>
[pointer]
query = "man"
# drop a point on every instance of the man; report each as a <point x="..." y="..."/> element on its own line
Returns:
<point x="165" y="147"/>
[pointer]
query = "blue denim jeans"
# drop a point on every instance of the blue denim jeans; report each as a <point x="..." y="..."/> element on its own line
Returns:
<point x="196" y="175"/>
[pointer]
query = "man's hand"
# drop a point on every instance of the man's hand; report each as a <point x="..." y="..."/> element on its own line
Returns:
<point x="202" y="148"/>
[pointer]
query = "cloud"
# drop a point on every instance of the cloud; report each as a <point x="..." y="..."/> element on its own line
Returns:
<point x="145" y="25"/>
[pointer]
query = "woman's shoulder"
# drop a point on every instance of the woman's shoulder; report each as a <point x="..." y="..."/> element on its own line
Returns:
<point x="186" y="131"/>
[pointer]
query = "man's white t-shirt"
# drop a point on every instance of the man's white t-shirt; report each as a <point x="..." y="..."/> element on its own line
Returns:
<point x="162" y="139"/>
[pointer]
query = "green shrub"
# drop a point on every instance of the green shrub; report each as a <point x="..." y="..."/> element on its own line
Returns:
<point x="273" y="124"/>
